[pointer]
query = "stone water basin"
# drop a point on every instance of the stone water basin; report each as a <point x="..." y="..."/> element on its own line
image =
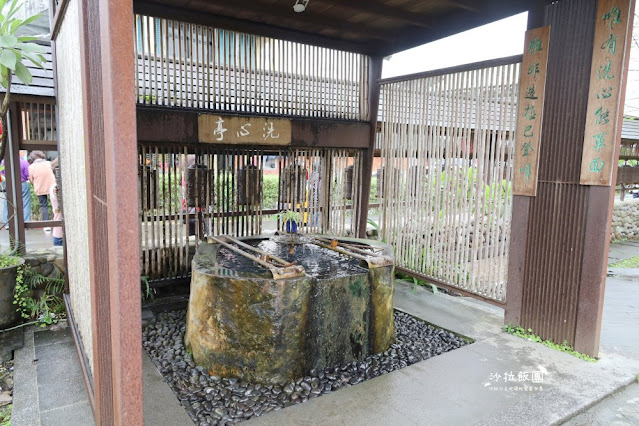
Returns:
<point x="241" y="322"/>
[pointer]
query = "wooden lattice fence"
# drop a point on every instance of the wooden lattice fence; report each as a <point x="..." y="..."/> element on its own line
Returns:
<point x="189" y="192"/>
<point x="188" y="65"/>
<point x="446" y="144"/>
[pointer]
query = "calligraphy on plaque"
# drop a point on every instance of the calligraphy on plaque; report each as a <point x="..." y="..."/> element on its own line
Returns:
<point x="606" y="80"/>
<point x="235" y="130"/>
<point x="532" y="88"/>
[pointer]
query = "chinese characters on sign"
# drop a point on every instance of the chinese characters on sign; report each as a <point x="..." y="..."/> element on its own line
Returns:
<point x="532" y="86"/>
<point x="606" y="78"/>
<point x="244" y="130"/>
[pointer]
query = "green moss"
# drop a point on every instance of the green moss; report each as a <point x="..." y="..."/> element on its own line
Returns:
<point x="633" y="262"/>
<point x="356" y="288"/>
<point x="529" y="335"/>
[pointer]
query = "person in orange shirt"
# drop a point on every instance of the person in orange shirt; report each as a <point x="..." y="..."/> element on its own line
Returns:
<point x="42" y="177"/>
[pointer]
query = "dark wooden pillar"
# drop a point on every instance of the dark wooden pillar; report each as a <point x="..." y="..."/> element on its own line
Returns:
<point x="374" y="75"/>
<point x="560" y="238"/>
<point x="519" y="224"/>
<point x="111" y="164"/>
<point x="15" y="209"/>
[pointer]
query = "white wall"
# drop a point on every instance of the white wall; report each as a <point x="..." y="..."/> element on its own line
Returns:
<point x="72" y="166"/>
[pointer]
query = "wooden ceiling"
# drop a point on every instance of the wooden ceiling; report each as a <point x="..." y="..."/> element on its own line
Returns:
<point x="375" y="27"/>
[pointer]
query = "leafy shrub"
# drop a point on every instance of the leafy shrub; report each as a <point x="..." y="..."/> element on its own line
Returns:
<point x="270" y="191"/>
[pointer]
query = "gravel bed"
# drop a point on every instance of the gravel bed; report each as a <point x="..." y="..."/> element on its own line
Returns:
<point x="212" y="400"/>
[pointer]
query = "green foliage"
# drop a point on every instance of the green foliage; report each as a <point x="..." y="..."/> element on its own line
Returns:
<point x="170" y="191"/>
<point x="36" y="214"/>
<point x="290" y="215"/>
<point x="46" y="308"/>
<point x="374" y="224"/>
<point x="373" y="195"/>
<point x="14" y="49"/>
<point x="8" y="260"/>
<point x="5" y="415"/>
<point x="147" y="292"/>
<point x="417" y="282"/>
<point x="633" y="262"/>
<point x="529" y="335"/>
<point x="464" y="182"/>
<point x="270" y="191"/>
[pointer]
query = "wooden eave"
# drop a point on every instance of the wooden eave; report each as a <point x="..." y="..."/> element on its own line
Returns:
<point x="373" y="27"/>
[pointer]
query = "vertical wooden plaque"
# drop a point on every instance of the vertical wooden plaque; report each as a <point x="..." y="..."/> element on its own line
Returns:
<point x="530" y="110"/>
<point x="607" y="74"/>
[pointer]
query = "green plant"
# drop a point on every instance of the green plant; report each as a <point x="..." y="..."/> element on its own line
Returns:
<point x="270" y="191"/>
<point x="45" y="308"/>
<point x="8" y="260"/>
<point x="5" y="415"/>
<point x="633" y="262"/>
<point x="14" y="51"/>
<point x="529" y="335"/>
<point x="36" y="213"/>
<point x="147" y="292"/>
<point x="290" y="216"/>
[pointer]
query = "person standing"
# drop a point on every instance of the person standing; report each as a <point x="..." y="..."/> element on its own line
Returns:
<point x="42" y="177"/>
<point x="26" y="192"/>
<point x="57" y="215"/>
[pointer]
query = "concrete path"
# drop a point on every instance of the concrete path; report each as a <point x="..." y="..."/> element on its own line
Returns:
<point x="49" y="386"/>
<point x="36" y="239"/>
<point x="621" y="408"/>
<point x="48" y="383"/>
<point x="623" y="250"/>
<point x="477" y="384"/>
<point x="619" y="334"/>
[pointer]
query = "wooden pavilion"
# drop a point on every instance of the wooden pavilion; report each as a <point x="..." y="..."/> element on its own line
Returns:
<point x="315" y="78"/>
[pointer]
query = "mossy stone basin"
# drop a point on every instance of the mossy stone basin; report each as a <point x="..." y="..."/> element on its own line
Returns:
<point x="243" y="323"/>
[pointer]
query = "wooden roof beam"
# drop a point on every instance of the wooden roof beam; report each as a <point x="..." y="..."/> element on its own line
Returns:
<point x="367" y="6"/>
<point x="287" y="15"/>
<point x="228" y="23"/>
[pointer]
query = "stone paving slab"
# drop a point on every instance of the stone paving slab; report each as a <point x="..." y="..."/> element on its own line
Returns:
<point x="78" y="414"/>
<point x="25" y="411"/>
<point x="161" y="407"/>
<point x="620" y="321"/>
<point x="621" y="408"/>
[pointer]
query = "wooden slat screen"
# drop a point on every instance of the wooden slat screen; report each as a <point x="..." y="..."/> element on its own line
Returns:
<point x="38" y="121"/>
<point x="193" y="66"/>
<point x="446" y="146"/>
<point x="187" y="193"/>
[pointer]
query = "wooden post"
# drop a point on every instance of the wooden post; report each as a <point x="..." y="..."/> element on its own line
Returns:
<point x="560" y="238"/>
<point x="15" y="210"/>
<point x="111" y="165"/>
<point x="374" y="75"/>
<point x="519" y="224"/>
<point x="120" y="159"/>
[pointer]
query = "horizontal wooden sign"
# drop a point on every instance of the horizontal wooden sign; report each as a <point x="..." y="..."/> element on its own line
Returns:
<point x="224" y="129"/>
<point x="607" y="75"/>
<point x="530" y="111"/>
